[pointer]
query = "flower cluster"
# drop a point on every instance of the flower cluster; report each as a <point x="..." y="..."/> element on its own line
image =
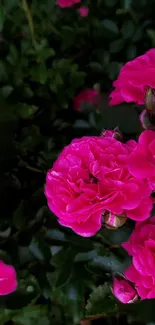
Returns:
<point x="101" y="179"/>
<point x="136" y="83"/>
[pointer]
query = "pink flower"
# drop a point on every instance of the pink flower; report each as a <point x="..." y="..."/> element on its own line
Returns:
<point x="90" y="177"/>
<point x="141" y="246"/>
<point x="86" y="96"/>
<point x="124" y="291"/>
<point x="142" y="160"/>
<point x="83" y="11"/>
<point x="67" y="3"/>
<point x="133" y="80"/>
<point x="8" y="280"/>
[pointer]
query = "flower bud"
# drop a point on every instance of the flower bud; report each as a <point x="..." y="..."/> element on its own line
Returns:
<point x="150" y="104"/>
<point x="150" y="100"/>
<point x="145" y="121"/>
<point x="113" y="221"/>
<point x="116" y="134"/>
<point x="97" y="87"/>
<point x="124" y="291"/>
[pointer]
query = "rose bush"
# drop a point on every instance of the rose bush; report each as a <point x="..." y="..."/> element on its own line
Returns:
<point x="49" y="55"/>
<point x="91" y="177"/>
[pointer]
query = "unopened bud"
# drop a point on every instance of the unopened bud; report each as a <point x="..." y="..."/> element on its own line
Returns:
<point x="97" y="87"/>
<point x="113" y="221"/>
<point x="150" y="100"/>
<point x="116" y="134"/>
<point x="150" y="104"/>
<point x="145" y="121"/>
<point x="124" y="291"/>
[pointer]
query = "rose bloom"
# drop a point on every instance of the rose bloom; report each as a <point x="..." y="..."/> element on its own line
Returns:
<point x="83" y="11"/>
<point x="124" y="291"/>
<point x="142" y="160"/>
<point x="134" y="78"/>
<point x="90" y="177"/>
<point x="85" y="96"/>
<point x="67" y="3"/>
<point x="8" y="279"/>
<point x="141" y="246"/>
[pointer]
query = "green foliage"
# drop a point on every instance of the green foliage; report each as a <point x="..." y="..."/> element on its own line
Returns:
<point x="101" y="301"/>
<point x="48" y="55"/>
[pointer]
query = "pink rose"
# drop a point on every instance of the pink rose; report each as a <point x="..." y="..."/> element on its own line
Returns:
<point x="124" y="291"/>
<point x="67" y="3"/>
<point x="86" y="96"/>
<point x="142" y="160"/>
<point x="8" y="280"/>
<point x="90" y="177"/>
<point x="83" y="11"/>
<point x="141" y="246"/>
<point x="133" y="80"/>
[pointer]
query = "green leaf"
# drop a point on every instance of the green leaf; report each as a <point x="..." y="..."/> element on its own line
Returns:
<point x="55" y="235"/>
<point x="6" y="91"/>
<point x="116" y="46"/>
<point x="2" y="18"/>
<point x="5" y="315"/>
<point x="131" y="52"/>
<point x="110" y="263"/>
<point x="3" y="72"/>
<point x="28" y="291"/>
<point x="128" y="29"/>
<point x="11" y="4"/>
<point x="113" y="69"/>
<point x="40" y="250"/>
<point x="32" y="315"/>
<point x="26" y="111"/>
<point x="19" y="217"/>
<point x="101" y="301"/>
<point x="96" y="67"/>
<point x="74" y="291"/>
<point x="110" y="28"/>
<point x="117" y="236"/>
<point x="151" y="34"/>
<point x="65" y="267"/>
<point x="13" y="55"/>
<point x="40" y="73"/>
<point x="85" y="257"/>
